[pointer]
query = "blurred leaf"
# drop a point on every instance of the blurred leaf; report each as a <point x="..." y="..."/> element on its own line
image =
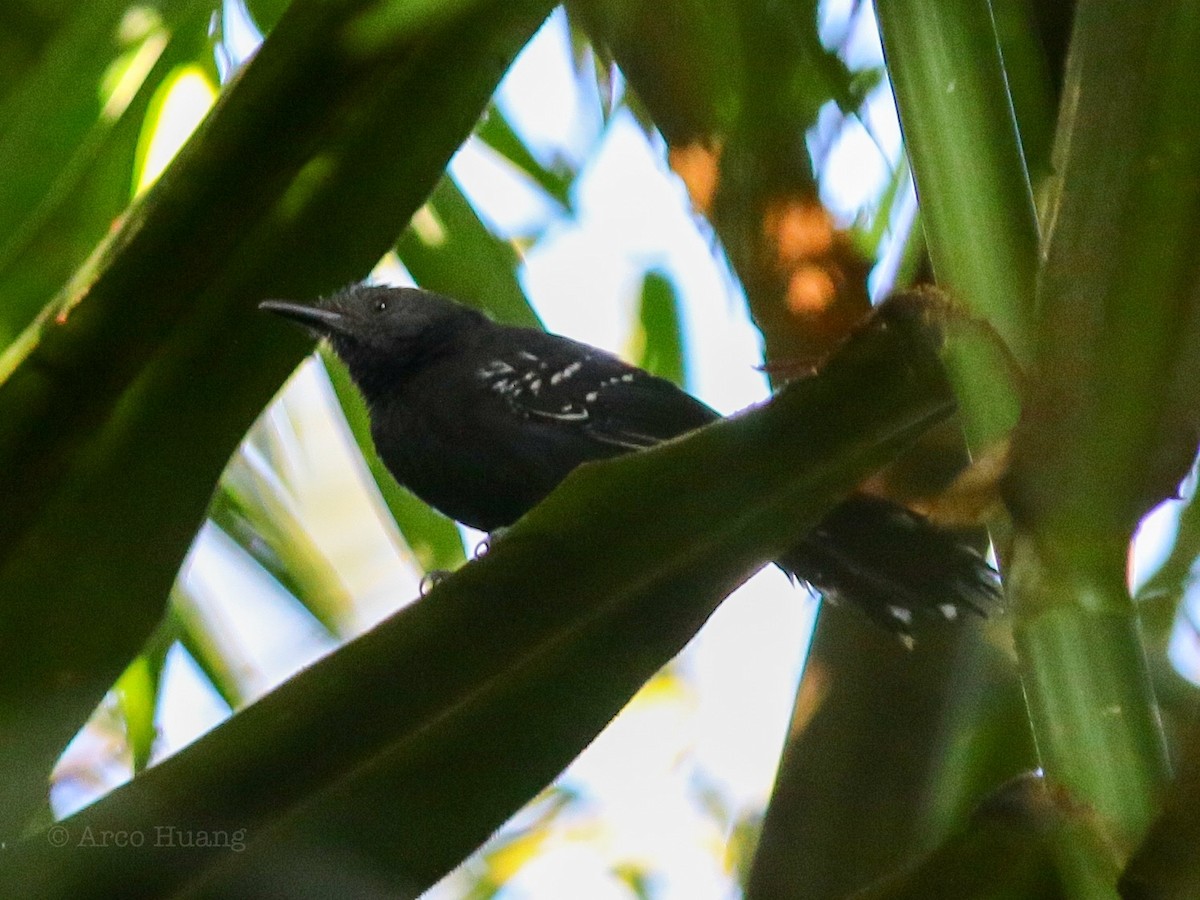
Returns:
<point x="210" y="642"/>
<point x="137" y="696"/>
<point x="507" y="855"/>
<point x="639" y="879"/>
<point x="507" y="673"/>
<point x="255" y="509"/>
<point x="55" y="114"/>
<point x="695" y="89"/>
<point x="742" y="845"/>
<point x="447" y="248"/>
<point x="920" y="738"/>
<point x="27" y="27"/>
<point x="1166" y="866"/>
<point x="70" y="194"/>
<point x="497" y="133"/>
<point x="266" y="13"/>
<point x="177" y="108"/>
<point x="1017" y="846"/>
<point x="297" y="183"/>
<point x="659" y="340"/>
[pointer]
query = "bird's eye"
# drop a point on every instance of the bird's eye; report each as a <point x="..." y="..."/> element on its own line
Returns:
<point x="380" y="305"/>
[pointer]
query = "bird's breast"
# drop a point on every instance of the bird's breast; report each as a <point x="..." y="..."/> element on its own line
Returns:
<point x="466" y="454"/>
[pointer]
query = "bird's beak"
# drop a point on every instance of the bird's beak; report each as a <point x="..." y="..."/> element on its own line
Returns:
<point x="324" y="322"/>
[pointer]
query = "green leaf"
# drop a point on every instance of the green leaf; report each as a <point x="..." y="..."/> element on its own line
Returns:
<point x="1018" y="845"/>
<point x="660" y="331"/>
<point x="938" y="726"/>
<point x="137" y="696"/>
<point x="254" y="508"/>
<point x="693" y="91"/>
<point x="73" y="140"/>
<point x="497" y="133"/>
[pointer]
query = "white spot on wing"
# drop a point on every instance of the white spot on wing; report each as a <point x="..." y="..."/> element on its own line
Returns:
<point x="565" y="373"/>
<point x="506" y="386"/>
<point x="494" y="368"/>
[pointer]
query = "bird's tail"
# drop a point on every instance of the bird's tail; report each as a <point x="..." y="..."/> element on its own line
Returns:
<point x="894" y="564"/>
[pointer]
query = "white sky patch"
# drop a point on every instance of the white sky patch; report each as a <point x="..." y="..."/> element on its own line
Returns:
<point x="859" y="156"/>
<point x="542" y="99"/>
<point x="240" y="38"/>
<point x="194" y="708"/>
<point x="1153" y="541"/>
<point x="189" y="96"/>
<point x="503" y="196"/>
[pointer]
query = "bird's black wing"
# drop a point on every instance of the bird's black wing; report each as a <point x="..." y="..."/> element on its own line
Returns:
<point x="579" y="388"/>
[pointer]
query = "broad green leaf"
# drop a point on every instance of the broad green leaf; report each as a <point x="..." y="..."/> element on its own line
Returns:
<point x="925" y="737"/>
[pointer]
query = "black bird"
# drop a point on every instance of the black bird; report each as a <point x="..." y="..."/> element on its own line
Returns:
<point x="482" y="420"/>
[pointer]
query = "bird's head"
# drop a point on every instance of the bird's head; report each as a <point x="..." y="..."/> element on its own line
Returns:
<point x="381" y="332"/>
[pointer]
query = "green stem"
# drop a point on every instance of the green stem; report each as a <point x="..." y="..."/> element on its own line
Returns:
<point x="1083" y="669"/>
<point x="976" y="204"/>
<point x="1109" y="429"/>
<point x="1087" y="686"/>
<point x="961" y="135"/>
